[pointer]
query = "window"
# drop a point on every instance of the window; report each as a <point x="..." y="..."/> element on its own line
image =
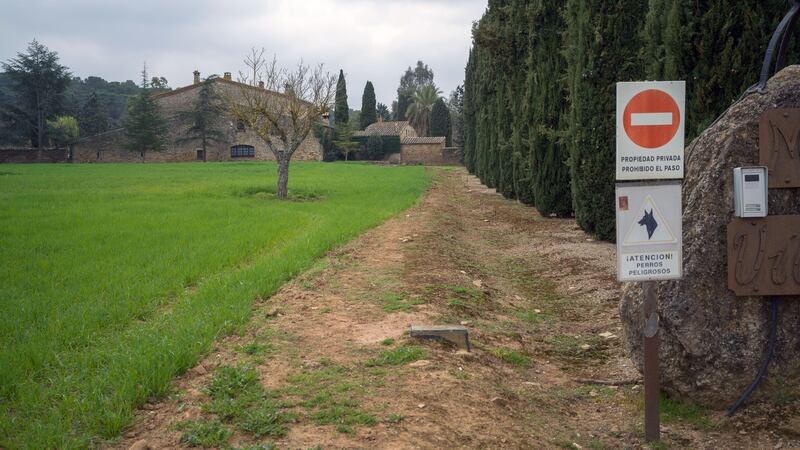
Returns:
<point x="239" y="151"/>
<point x="200" y="155"/>
<point x="239" y="125"/>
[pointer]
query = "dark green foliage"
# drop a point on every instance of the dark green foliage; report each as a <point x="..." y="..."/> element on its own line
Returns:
<point x="112" y="95"/>
<point x="403" y="100"/>
<point x="380" y="147"/>
<point x="93" y="118"/>
<point x="411" y="80"/>
<point x="325" y="136"/>
<point x="716" y="45"/>
<point x="440" y="121"/>
<point x="343" y="141"/>
<point x="594" y="27"/>
<point x="456" y="106"/>
<point x="38" y="82"/>
<point x="369" y="113"/>
<point x="341" y="112"/>
<point x="374" y="148"/>
<point x="145" y="127"/>
<point x="203" y="120"/>
<point x="383" y="112"/>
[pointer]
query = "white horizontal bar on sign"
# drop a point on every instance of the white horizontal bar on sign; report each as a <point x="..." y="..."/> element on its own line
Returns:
<point x="651" y="119"/>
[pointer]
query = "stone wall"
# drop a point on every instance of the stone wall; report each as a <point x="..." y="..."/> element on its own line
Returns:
<point x="32" y="155"/>
<point x="111" y="147"/>
<point x="712" y="343"/>
<point x="428" y="154"/>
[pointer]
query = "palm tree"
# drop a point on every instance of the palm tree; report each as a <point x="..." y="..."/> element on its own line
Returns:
<point x="419" y="112"/>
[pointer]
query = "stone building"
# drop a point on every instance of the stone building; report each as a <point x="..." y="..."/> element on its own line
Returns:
<point x="241" y="144"/>
<point x="413" y="148"/>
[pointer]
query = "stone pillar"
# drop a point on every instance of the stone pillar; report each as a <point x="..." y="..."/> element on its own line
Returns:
<point x="196" y="77"/>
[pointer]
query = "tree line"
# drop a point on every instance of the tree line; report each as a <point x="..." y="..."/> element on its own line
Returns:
<point x="42" y="104"/>
<point x="419" y="101"/>
<point x="539" y="91"/>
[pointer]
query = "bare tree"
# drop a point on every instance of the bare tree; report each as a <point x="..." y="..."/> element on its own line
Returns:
<point x="256" y="62"/>
<point x="285" y="110"/>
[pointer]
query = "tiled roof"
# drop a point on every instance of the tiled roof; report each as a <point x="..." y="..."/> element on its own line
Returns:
<point x="386" y="128"/>
<point x="423" y="140"/>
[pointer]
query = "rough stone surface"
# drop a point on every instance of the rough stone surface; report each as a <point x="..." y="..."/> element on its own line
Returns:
<point x="712" y="342"/>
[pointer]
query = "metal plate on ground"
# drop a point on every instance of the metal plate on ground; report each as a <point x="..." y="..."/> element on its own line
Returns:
<point x="764" y="256"/>
<point x="649" y="231"/>
<point x="779" y="146"/>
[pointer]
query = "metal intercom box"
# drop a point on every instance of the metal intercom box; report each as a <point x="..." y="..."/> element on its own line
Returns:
<point x="750" y="191"/>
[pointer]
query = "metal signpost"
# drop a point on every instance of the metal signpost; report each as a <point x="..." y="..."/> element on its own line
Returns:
<point x="650" y="140"/>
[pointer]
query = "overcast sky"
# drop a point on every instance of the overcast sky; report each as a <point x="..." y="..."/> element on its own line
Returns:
<point x="370" y="40"/>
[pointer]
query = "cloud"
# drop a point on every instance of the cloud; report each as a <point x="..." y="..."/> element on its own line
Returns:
<point x="369" y="40"/>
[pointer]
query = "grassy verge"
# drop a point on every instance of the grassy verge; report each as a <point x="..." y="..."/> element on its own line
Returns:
<point x="115" y="278"/>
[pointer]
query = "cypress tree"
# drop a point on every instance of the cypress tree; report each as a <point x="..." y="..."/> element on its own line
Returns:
<point x="369" y="113"/>
<point x="440" y="120"/>
<point x="341" y="112"/>
<point x="547" y="97"/>
<point x="602" y="39"/>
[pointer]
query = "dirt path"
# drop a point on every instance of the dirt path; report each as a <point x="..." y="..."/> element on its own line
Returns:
<point x="327" y="363"/>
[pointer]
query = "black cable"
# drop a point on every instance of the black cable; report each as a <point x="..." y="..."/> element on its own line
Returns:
<point x="773" y="337"/>
<point x="773" y="44"/>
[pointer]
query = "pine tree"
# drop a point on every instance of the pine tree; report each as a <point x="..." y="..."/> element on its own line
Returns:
<point x="145" y="127"/>
<point x="369" y="113"/>
<point x="93" y="118"/>
<point x="39" y="82"/>
<point x="341" y="112"/>
<point x="202" y="119"/>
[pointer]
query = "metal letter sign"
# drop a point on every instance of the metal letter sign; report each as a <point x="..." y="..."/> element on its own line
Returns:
<point x="649" y="230"/>
<point x="764" y="256"/>
<point x="650" y="129"/>
<point x="779" y="144"/>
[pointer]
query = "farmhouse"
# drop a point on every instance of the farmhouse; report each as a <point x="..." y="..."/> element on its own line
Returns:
<point x="412" y="148"/>
<point x="241" y="144"/>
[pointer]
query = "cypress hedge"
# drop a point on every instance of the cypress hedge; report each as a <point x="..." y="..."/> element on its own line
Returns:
<point x="539" y="88"/>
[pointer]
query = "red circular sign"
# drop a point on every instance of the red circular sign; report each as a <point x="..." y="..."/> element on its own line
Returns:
<point x="651" y="118"/>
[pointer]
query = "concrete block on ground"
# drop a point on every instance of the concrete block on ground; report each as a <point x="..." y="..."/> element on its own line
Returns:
<point x="456" y="334"/>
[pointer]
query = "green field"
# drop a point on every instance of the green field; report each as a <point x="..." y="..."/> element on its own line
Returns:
<point x="115" y="278"/>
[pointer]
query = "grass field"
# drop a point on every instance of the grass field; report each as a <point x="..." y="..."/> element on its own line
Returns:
<point x="115" y="278"/>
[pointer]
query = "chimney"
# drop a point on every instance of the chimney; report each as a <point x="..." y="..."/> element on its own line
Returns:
<point x="227" y="76"/>
<point x="261" y="84"/>
<point x="196" y="76"/>
<point x="326" y="119"/>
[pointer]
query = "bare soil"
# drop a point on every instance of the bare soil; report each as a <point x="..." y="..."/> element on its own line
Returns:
<point x="539" y="297"/>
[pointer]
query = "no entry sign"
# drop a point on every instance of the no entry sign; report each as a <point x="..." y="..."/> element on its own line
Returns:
<point x="650" y="130"/>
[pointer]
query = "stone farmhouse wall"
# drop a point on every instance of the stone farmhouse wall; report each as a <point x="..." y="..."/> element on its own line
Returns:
<point x="428" y="154"/>
<point x="31" y="155"/>
<point x="111" y="146"/>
